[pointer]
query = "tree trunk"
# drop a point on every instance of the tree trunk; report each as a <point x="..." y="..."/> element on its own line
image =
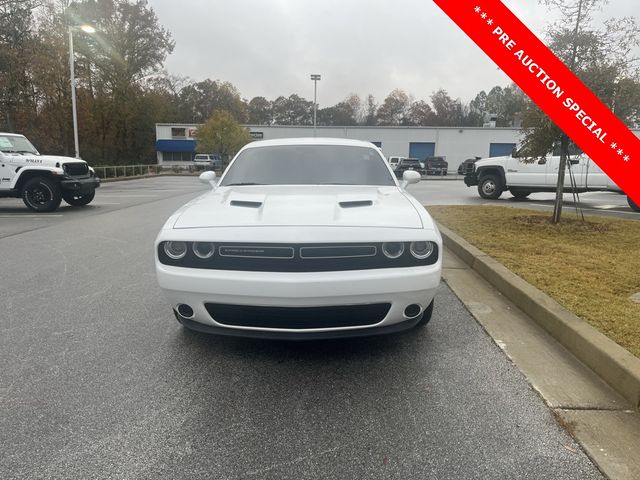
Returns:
<point x="564" y="153"/>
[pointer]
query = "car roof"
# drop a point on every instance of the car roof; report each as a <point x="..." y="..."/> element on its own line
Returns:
<point x="12" y="134"/>
<point x="344" y="142"/>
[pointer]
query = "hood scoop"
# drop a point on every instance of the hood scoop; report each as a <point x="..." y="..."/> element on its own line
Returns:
<point x="356" y="203"/>
<point x="245" y="203"/>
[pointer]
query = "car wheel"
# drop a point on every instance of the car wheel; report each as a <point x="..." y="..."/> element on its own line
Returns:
<point x="634" y="206"/>
<point x="519" y="194"/>
<point x="41" y="194"/>
<point x="79" y="200"/>
<point x="490" y="187"/>
<point x="426" y="315"/>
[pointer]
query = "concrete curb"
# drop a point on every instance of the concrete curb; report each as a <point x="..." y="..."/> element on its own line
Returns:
<point x="615" y="365"/>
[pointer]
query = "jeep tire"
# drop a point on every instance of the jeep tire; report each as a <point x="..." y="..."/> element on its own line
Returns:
<point x="633" y="204"/>
<point x="79" y="200"/>
<point x="41" y="194"/>
<point x="490" y="187"/>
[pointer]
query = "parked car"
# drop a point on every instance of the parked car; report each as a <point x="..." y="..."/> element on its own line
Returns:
<point x="43" y="181"/>
<point x="466" y="166"/>
<point x="302" y="238"/>
<point x="435" y="166"/>
<point x="208" y="160"/>
<point x="408" y="164"/>
<point x="495" y="175"/>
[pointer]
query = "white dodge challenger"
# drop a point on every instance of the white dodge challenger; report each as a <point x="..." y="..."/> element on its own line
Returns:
<point x="302" y="238"/>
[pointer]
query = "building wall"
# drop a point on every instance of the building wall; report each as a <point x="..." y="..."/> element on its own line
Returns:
<point x="456" y="144"/>
<point x="180" y="137"/>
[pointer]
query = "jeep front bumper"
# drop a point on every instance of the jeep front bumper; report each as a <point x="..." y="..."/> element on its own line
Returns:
<point x="79" y="186"/>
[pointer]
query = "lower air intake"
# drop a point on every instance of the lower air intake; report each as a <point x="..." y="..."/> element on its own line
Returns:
<point x="298" y="317"/>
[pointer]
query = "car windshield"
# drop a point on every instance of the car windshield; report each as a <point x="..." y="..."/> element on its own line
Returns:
<point x="16" y="144"/>
<point x="308" y="165"/>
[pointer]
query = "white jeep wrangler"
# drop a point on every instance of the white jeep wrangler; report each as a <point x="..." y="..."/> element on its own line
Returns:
<point x="495" y="175"/>
<point x="43" y="180"/>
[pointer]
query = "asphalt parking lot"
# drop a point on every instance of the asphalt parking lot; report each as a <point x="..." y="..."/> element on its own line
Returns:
<point x="99" y="380"/>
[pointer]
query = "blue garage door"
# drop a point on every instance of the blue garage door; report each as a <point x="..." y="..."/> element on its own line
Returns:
<point x="176" y="146"/>
<point x="422" y="150"/>
<point x="501" y="149"/>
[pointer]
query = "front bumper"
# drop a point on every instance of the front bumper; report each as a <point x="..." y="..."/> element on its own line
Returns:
<point x="79" y="186"/>
<point x="399" y="287"/>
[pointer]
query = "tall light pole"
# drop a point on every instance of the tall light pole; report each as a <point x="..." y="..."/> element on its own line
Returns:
<point x="315" y="77"/>
<point x="86" y="29"/>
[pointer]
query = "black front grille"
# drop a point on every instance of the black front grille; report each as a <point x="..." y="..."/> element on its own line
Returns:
<point x="76" y="169"/>
<point x="298" y="317"/>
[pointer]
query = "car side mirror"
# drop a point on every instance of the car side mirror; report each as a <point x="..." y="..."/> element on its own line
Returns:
<point x="409" y="177"/>
<point x="209" y="178"/>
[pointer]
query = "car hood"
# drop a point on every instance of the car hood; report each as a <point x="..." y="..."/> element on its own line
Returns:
<point x="492" y="161"/>
<point x="351" y="206"/>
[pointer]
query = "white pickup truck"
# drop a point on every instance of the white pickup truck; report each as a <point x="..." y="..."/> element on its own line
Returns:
<point x="495" y="175"/>
<point x="43" y="181"/>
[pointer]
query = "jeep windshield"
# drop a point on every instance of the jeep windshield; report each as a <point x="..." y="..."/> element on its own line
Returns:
<point x="308" y="165"/>
<point x="16" y="144"/>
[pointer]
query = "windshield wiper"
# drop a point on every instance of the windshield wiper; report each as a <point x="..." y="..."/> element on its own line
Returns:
<point x="241" y="184"/>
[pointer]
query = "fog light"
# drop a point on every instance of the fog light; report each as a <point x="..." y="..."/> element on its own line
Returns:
<point x="185" y="310"/>
<point x="412" y="311"/>
<point x="175" y="250"/>
<point x="393" y="249"/>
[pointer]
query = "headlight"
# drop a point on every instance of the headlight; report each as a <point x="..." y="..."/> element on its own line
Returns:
<point x="203" y="250"/>
<point x="421" y="250"/>
<point x="393" y="249"/>
<point x="175" y="250"/>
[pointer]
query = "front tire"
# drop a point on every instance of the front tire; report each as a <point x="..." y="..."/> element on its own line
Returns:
<point x="41" y="194"/>
<point x="634" y="206"/>
<point x="79" y="200"/>
<point x="490" y="187"/>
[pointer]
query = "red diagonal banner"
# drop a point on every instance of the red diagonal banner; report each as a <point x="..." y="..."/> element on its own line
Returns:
<point x="552" y="86"/>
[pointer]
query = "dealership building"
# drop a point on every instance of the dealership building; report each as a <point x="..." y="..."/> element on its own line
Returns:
<point x="175" y="143"/>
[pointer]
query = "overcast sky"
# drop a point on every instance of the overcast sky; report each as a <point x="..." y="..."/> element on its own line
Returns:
<point x="269" y="47"/>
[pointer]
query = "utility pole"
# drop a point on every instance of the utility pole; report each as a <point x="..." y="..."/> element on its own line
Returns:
<point x="315" y="77"/>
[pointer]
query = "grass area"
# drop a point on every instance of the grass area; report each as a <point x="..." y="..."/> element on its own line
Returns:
<point x="590" y="268"/>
